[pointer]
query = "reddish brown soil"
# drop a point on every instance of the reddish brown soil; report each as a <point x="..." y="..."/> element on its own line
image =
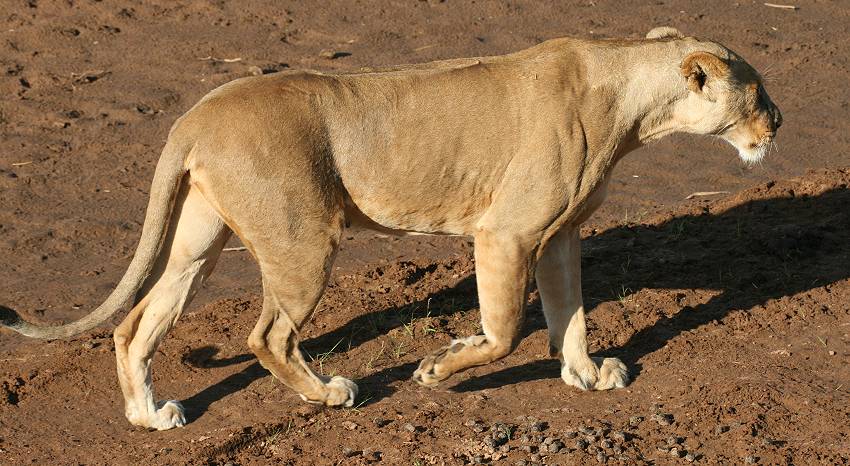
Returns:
<point x="732" y="313"/>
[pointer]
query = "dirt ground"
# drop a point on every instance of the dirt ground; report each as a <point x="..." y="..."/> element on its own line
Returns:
<point x="731" y="311"/>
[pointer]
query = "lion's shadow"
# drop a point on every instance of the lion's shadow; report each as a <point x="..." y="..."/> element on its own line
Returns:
<point x="754" y="252"/>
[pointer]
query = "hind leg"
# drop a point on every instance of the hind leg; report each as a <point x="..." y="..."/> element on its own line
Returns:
<point x="194" y="241"/>
<point x="558" y="277"/>
<point x="294" y="278"/>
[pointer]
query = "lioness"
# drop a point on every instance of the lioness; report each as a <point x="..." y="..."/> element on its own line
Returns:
<point x="513" y="150"/>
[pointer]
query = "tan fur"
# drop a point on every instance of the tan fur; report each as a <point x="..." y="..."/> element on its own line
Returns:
<point x="514" y="151"/>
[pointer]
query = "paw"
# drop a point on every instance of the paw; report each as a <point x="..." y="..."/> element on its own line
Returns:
<point x="341" y="392"/>
<point x="440" y="365"/>
<point x="612" y="374"/>
<point x="169" y="414"/>
<point x="426" y="373"/>
<point x="581" y="374"/>
<point x="596" y="374"/>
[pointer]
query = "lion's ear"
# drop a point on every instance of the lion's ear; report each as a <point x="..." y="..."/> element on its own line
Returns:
<point x="664" y="32"/>
<point x="701" y="67"/>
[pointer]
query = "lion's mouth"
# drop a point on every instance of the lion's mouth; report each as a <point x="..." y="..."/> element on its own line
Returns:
<point x="754" y="153"/>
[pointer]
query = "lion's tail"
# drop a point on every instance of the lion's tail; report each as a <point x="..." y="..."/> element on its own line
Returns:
<point x="166" y="182"/>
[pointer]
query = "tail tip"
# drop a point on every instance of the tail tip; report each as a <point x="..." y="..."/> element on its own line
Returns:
<point x="8" y="317"/>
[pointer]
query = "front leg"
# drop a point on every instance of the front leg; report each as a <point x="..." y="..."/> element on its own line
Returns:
<point x="558" y="278"/>
<point x="502" y="268"/>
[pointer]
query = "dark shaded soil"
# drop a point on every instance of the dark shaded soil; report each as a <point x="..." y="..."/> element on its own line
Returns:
<point x="731" y="313"/>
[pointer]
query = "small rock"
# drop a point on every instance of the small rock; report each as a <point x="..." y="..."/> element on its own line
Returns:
<point x="587" y="430"/>
<point x="769" y="442"/>
<point x="620" y="436"/>
<point x="255" y="70"/>
<point x="663" y="419"/>
<point x="570" y="434"/>
<point x="409" y="427"/>
<point x="606" y="444"/>
<point x="329" y="54"/>
<point x="676" y="453"/>
<point x="581" y="444"/>
<point x="371" y="456"/>
<point x="349" y="452"/>
<point x="478" y="459"/>
<point x="721" y="429"/>
<point x="672" y="440"/>
<point x="635" y="421"/>
<point x="617" y="449"/>
<point x="832" y="353"/>
<point x="752" y="459"/>
<point x="536" y="457"/>
<point x="348" y="425"/>
<point x="521" y="463"/>
<point x="556" y="446"/>
<point x="499" y="438"/>
<point x="381" y="422"/>
<point x="528" y="448"/>
<point x="690" y="458"/>
<point x="307" y="410"/>
<point x="601" y="457"/>
<point x="539" y="426"/>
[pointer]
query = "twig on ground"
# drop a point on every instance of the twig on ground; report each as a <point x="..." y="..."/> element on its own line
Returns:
<point x="784" y="7"/>
<point x="20" y="164"/>
<point x="220" y="60"/>
<point x="705" y="193"/>
<point x="239" y="248"/>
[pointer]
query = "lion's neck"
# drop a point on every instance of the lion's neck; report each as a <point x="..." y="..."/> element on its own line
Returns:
<point x="648" y="91"/>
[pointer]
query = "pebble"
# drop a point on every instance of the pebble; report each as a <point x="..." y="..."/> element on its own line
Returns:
<point x="635" y="421"/>
<point x="606" y="444"/>
<point x="721" y="429"/>
<point x="539" y="426"/>
<point x="832" y="353"/>
<point x="536" y="457"/>
<point x="601" y="457"/>
<point x="587" y="430"/>
<point x="620" y="436"/>
<point x="581" y="444"/>
<point x="409" y="427"/>
<point x="676" y="453"/>
<point x="381" y="422"/>
<point x="521" y="463"/>
<point x="674" y="440"/>
<point x="349" y="452"/>
<point x="663" y="419"/>
<point x="528" y="448"/>
<point x="690" y="458"/>
<point x="570" y="434"/>
<point x="617" y="449"/>
<point x="752" y="459"/>
<point x="556" y="446"/>
<point x="348" y="425"/>
<point x="371" y="456"/>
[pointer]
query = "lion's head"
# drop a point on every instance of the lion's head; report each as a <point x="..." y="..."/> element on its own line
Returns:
<point x="726" y="98"/>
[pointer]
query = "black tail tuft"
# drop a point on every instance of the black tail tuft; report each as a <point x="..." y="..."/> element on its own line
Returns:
<point x="8" y="317"/>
